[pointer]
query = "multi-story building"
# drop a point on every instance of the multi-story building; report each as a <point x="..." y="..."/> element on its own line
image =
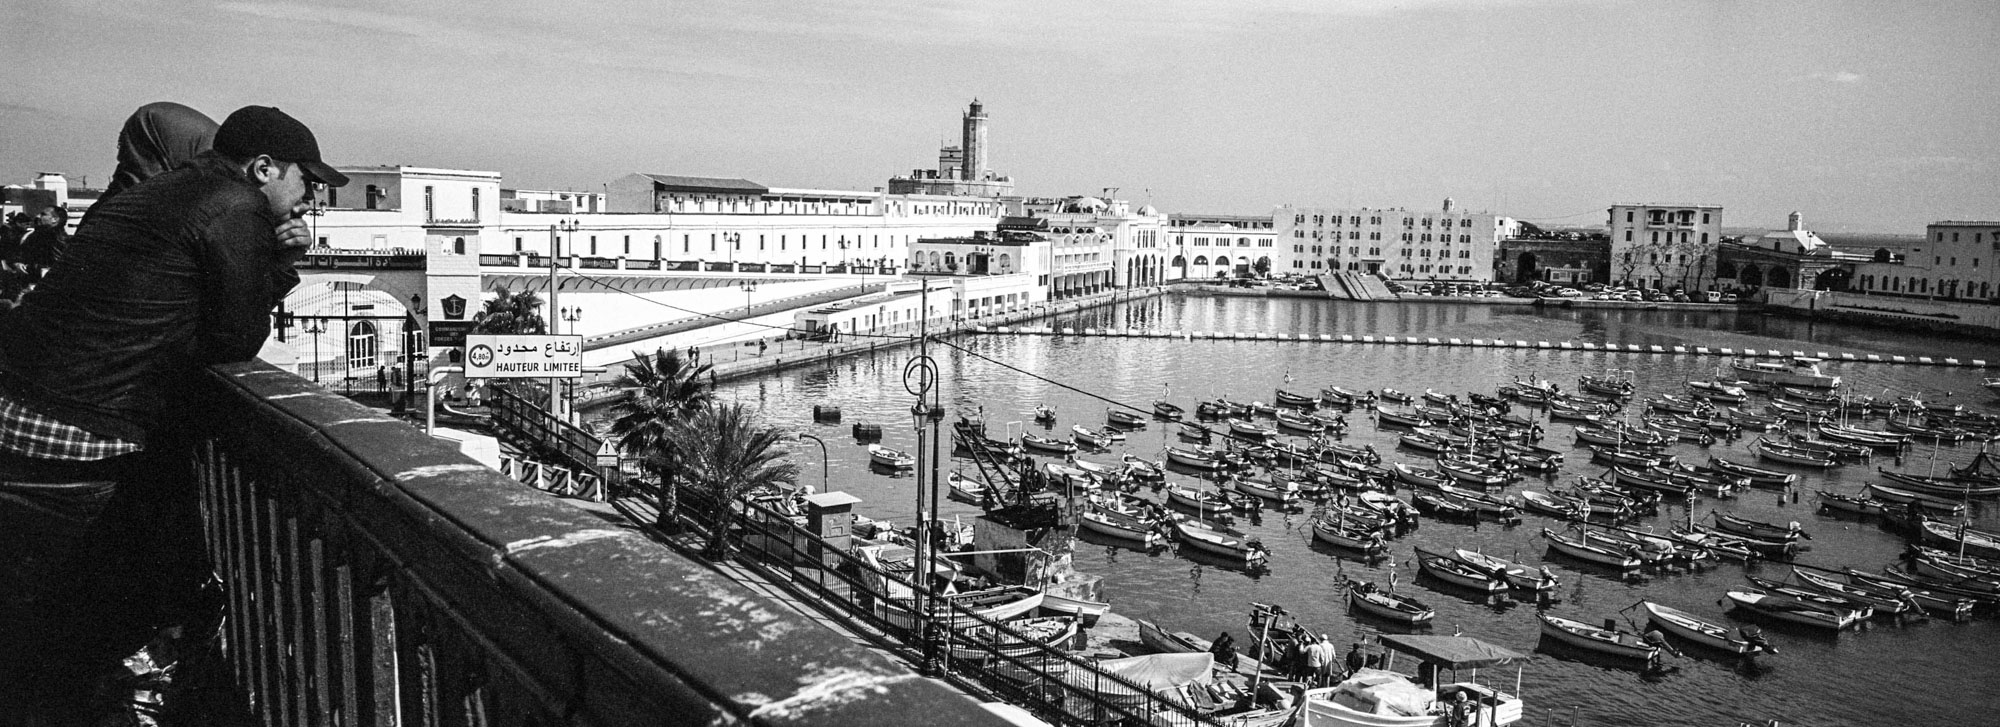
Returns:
<point x="1097" y="244"/>
<point x="1665" y="246"/>
<point x="1445" y="245"/>
<point x="1955" y="261"/>
<point x="1210" y="246"/>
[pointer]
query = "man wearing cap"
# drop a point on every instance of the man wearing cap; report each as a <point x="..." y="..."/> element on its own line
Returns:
<point x="175" y="274"/>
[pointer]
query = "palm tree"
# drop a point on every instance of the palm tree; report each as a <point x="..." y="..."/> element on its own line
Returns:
<point x="662" y="391"/>
<point x="725" y="453"/>
<point x="509" y="312"/>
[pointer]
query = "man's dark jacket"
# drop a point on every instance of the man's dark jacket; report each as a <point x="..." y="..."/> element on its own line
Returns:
<point x="176" y="273"/>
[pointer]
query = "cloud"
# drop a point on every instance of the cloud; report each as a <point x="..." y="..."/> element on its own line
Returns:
<point x="1840" y="76"/>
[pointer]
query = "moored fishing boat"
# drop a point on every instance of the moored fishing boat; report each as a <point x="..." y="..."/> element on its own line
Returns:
<point x="1608" y="641"/>
<point x="1339" y="396"/>
<point x="890" y="458"/>
<point x="1950" y="605"/>
<point x="1793" y="610"/>
<point x="1868" y="437"/>
<point x="1381" y="698"/>
<point x="1202" y="500"/>
<point x="1045" y="414"/>
<point x="1853" y="504"/>
<point x="1442" y="508"/>
<point x="1796" y="456"/>
<point x="965" y="488"/>
<point x="1279" y="491"/>
<point x="1884" y="602"/>
<point x="1517" y="575"/>
<point x="1800" y="371"/>
<point x="1602" y="551"/>
<point x="1200" y="458"/>
<point x="1246" y="429"/>
<point x="1939" y="486"/>
<point x="1287" y="398"/>
<point x="1168" y="411"/>
<point x="1368" y="599"/>
<point x="1961" y="539"/>
<point x="1736" y="547"/>
<point x="1756" y="529"/>
<point x="1459" y="574"/>
<point x="1400" y="418"/>
<point x="1808" y="595"/>
<point x="1086" y="438"/>
<point x="1019" y="639"/>
<point x="1143" y="470"/>
<point x="1927" y="503"/>
<point x="1125" y="418"/>
<point x="1040" y="443"/>
<point x="1248" y="551"/>
<point x="1162" y="641"/>
<point x="1120" y="525"/>
<point x="1288" y="419"/>
<point x="1689" y="627"/>
<point x="1627" y="458"/>
<point x="1717" y="391"/>
<point x="1758" y="475"/>
<point x="1346" y="535"/>
<point x="1396" y="395"/>
<point x="1085" y="611"/>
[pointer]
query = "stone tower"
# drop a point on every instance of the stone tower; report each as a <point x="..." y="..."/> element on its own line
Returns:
<point x="974" y="143"/>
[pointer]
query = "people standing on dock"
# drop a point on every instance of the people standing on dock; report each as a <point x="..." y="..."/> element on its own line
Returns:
<point x="1320" y="657"/>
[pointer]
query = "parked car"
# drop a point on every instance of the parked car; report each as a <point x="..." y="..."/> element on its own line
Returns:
<point x="1729" y="297"/>
<point x="1711" y="297"/>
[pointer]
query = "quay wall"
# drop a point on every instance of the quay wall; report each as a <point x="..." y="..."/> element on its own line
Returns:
<point x="1943" y="316"/>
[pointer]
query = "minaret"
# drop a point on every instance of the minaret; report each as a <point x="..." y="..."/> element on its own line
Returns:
<point x="975" y="143"/>
<point x="1795" y="222"/>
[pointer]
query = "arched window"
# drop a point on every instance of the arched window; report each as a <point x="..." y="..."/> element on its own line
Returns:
<point x="458" y="246"/>
<point x="1006" y="263"/>
<point x="950" y="261"/>
<point x="1180" y="261"/>
<point x="1201" y="259"/>
<point x="362" y="343"/>
<point x="1221" y="261"/>
<point x="937" y="260"/>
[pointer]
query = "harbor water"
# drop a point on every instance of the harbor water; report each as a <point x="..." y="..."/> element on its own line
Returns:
<point x="1916" y="673"/>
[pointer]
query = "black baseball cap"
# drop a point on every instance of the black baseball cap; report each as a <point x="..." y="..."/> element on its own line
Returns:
<point x="255" y="130"/>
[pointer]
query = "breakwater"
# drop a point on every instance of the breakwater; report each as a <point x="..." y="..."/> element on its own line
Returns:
<point x="1476" y="343"/>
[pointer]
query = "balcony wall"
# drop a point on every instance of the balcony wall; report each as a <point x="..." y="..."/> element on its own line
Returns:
<point x="378" y="577"/>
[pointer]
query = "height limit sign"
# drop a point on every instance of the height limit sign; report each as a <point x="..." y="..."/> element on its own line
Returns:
<point x="489" y="356"/>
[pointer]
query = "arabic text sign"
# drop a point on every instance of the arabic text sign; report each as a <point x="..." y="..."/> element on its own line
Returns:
<point x="489" y="356"/>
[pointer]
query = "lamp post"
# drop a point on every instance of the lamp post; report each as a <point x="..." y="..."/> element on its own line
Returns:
<point x="823" y="484"/>
<point x="735" y="240"/>
<point x="568" y="225"/>
<point x="749" y="288"/>
<point x="571" y="315"/>
<point x="314" y="329"/>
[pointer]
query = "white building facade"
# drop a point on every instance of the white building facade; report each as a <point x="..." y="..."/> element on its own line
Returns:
<point x="1445" y="245"/>
<point x="1955" y="261"/>
<point x="1658" y="246"/>
<point x="1202" y="247"/>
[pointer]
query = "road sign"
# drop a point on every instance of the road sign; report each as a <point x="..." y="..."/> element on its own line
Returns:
<point x="489" y="356"/>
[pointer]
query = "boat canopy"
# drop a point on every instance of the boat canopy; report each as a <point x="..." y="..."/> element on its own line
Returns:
<point x="1456" y="652"/>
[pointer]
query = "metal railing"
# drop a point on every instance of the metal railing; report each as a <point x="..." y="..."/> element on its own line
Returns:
<point x="378" y="577"/>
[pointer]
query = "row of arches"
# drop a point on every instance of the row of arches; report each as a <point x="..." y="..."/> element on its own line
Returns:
<point x="1202" y="266"/>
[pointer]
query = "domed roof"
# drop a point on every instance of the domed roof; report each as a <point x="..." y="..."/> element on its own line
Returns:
<point x="1086" y="204"/>
<point x="1149" y="211"/>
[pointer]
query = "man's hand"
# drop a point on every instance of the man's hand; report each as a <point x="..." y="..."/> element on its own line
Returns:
<point x="294" y="233"/>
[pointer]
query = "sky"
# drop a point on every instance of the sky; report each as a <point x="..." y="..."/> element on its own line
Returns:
<point x="1864" y="116"/>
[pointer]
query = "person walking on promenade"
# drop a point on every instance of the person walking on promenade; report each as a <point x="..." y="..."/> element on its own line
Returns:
<point x="89" y="379"/>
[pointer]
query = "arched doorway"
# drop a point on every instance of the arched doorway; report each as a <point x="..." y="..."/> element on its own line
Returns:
<point x="1525" y="268"/>
<point x="1749" y="276"/>
<point x="1833" y="279"/>
<point x="363" y="345"/>
<point x="1779" y="277"/>
<point x="1725" y="271"/>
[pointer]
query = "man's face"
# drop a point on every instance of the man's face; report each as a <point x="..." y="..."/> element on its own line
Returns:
<point x="284" y="185"/>
<point x="45" y="218"/>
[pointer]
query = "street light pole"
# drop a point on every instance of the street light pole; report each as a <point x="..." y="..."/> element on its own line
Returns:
<point x="555" y="249"/>
<point x="749" y="287"/>
<point x="571" y="315"/>
<point x="314" y="330"/>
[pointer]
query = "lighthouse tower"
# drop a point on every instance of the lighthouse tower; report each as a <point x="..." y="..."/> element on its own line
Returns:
<point x="974" y="143"/>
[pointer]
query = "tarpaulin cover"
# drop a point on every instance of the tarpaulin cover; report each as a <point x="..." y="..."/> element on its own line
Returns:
<point x="1163" y="671"/>
<point x="1456" y="652"/>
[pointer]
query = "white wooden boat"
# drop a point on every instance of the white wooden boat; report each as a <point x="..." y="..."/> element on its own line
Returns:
<point x="1757" y="475"/>
<point x="1027" y="637"/>
<point x="1045" y="414"/>
<point x="1400" y="418"/>
<point x="1596" y="549"/>
<point x="1349" y="536"/>
<point x="890" y="458"/>
<point x="1758" y="530"/>
<point x="1288" y="419"/>
<point x="1927" y="503"/>
<point x="1246" y="429"/>
<point x="1281" y="492"/>
<point x="1287" y="398"/>
<point x="1383" y="698"/>
<point x="1200" y="458"/>
<point x="1162" y="641"/>
<point x="1953" y="606"/>
<point x="1064" y="476"/>
<point x="1045" y="444"/>
<point x="1366" y="598"/>
<point x="1125" y="418"/>
<point x="1793" y="610"/>
<point x="1801" y="371"/>
<point x="1611" y="642"/>
<point x="1087" y="438"/>
<point x="1776" y="452"/>
<point x="1459" y="574"/>
<point x="1248" y="551"/>
<point x="1120" y="525"/>
<point x="1515" y="574"/>
<point x="1085" y="611"/>
<point x="1168" y="411"/>
<point x="1960" y="539"/>
<point x="1687" y="626"/>
<point x="965" y="488"/>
